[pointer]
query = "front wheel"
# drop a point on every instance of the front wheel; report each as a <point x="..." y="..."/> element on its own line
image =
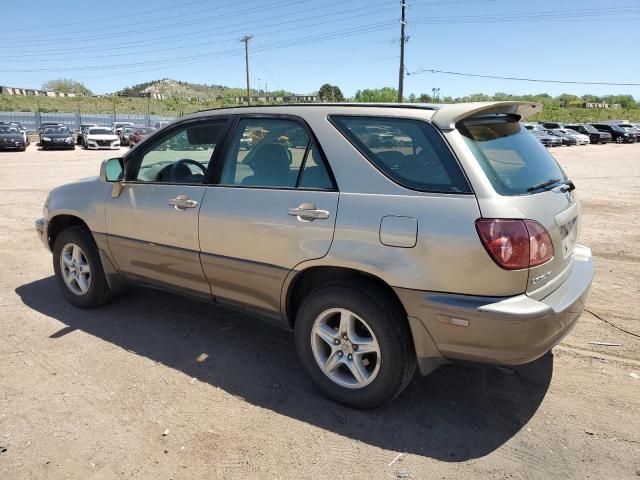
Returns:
<point x="78" y="269"/>
<point x="355" y="344"/>
<point x="619" y="140"/>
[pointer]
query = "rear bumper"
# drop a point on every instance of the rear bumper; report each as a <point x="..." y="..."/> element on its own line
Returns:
<point x="506" y="331"/>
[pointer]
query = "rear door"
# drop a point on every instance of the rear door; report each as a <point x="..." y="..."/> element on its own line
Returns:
<point x="517" y="166"/>
<point x="273" y="206"/>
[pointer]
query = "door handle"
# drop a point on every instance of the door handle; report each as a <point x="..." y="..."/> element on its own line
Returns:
<point x="307" y="212"/>
<point x="182" y="202"/>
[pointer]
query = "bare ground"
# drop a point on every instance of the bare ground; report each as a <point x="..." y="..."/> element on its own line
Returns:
<point x="88" y="395"/>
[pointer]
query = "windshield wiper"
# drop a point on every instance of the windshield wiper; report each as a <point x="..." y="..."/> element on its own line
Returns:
<point x="567" y="185"/>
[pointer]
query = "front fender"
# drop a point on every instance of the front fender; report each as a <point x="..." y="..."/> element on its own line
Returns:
<point x="84" y="199"/>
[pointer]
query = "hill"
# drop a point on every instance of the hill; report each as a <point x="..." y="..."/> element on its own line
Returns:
<point x="168" y="88"/>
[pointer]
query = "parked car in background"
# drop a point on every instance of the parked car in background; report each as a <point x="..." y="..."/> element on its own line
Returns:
<point x="81" y="130"/>
<point x="11" y="138"/>
<point x="546" y="139"/>
<point x="595" y="135"/>
<point x="139" y="134"/>
<point x="619" y="135"/>
<point x="44" y="125"/>
<point x="22" y="130"/>
<point x="412" y="270"/>
<point x="101" y="137"/>
<point x="629" y="127"/>
<point x="580" y="138"/>
<point x="57" y="137"/>
<point x="552" y="125"/>
<point x="159" y="125"/>
<point x="125" y="133"/>
<point x="566" y="139"/>
<point x="117" y="126"/>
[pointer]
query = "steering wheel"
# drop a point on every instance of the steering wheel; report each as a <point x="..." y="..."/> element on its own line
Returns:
<point x="179" y="169"/>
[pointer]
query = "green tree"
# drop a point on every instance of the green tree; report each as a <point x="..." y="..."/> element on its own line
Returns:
<point x="330" y="93"/>
<point x="412" y="98"/>
<point x="385" y="94"/>
<point x="66" y="85"/>
<point x="424" y="98"/>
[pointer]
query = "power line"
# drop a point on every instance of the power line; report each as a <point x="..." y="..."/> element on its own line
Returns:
<point x="102" y="19"/>
<point x="260" y="47"/>
<point x="521" y="79"/>
<point x="140" y="31"/>
<point x="296" y="21"/>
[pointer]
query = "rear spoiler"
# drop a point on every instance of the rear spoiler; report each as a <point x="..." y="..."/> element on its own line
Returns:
<point x="447" y="116"/>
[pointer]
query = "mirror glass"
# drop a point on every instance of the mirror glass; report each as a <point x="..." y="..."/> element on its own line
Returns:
<point x="113" y="170"/>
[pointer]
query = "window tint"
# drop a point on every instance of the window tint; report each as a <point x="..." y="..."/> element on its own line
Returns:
<point x="410" y="152"/>
<point x="270" y="152"/>
<point x="512" y="159"/>
<point x="183" y="156"/>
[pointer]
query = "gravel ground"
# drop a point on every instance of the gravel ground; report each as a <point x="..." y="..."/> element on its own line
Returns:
<point x="89" y="394"/>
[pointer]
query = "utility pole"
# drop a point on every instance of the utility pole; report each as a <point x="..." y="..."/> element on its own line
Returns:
<point x="246" y="39"/>
<point x="402" y="42"/>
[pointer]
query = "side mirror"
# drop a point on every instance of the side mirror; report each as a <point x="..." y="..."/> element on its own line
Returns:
<point x="112" y="170"/>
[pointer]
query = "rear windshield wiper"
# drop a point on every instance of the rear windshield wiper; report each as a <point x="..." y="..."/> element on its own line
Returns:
<point x="567" y="185"/>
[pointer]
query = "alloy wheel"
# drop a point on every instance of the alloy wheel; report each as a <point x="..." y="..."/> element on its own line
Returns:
<point x="345" y="348"/>
<point x="75" y="269"/>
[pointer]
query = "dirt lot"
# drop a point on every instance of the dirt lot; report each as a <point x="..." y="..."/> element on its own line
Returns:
<point x="88" y="394"/>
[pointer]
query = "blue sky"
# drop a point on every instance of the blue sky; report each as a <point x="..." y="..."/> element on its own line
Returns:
<point x="300" y="44"/>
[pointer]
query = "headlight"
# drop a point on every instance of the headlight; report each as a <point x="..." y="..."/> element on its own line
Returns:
<point x="46" y="139"/>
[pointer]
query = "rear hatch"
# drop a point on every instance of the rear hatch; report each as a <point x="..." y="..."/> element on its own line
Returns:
<point x="528" y="184"/>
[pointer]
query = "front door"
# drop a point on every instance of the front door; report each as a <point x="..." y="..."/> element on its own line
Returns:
<point x="152" y="225"/>
<point x="273" y="206"/>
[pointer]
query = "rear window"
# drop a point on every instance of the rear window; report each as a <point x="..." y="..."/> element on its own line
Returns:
<point x="512" y="159"/>
<point x="410" y="152"/>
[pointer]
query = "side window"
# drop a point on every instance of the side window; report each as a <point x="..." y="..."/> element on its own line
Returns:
<point x="183" y="156"/>
<point x="410" y="152"/>
<point x="314" y="174"/>
<point x="273" y="152"/>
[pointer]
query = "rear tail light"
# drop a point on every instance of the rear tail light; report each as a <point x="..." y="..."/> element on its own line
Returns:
<point x="515" y="244"/>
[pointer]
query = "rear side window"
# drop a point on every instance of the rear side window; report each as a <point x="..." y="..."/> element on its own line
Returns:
<point x="513" y="160"/>
<point x="410" y="152"/>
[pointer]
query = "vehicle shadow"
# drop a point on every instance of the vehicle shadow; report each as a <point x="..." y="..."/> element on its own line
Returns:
<point x="459" y="412"/>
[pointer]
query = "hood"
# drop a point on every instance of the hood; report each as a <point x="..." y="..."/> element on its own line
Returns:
<point x="93" y="136"/>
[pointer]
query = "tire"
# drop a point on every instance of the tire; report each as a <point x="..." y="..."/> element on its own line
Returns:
<point x="619" y="140"/>
<point x="389" y="371"/>
<point x="97" y="292"/>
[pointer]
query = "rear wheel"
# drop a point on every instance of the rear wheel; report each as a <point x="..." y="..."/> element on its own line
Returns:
<point x="78" y="269"/>
<point x="355" y="344"/>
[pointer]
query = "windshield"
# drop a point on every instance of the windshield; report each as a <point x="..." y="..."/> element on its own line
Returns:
<point x="100" y="131"/>
<point x="512" y="159"/>
<point x="57" y="130"/>
<point x="144" y="131"/>
<point x="5" y="129"/>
